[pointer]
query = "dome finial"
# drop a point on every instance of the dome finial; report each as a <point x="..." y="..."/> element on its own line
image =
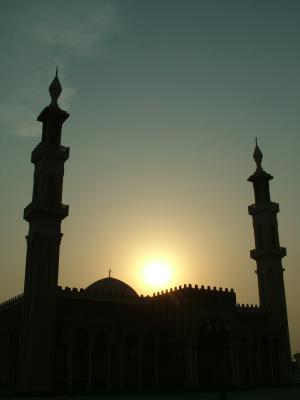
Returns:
<point x="258" y="156"/>
<point x="55" y="89"/>
<point x="109" y="272"/>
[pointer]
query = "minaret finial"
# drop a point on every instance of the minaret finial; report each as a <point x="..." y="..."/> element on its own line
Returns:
<point x="258" y="156"/>
<point x="55" y="89"/>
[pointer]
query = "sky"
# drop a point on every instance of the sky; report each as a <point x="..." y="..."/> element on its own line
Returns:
<point x="165" y="98"/>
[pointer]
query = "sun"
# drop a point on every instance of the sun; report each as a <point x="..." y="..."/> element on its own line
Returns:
<point x="157" y="273"/>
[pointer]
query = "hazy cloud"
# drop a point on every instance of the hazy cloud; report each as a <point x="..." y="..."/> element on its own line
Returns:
<point x="37" y="35"/>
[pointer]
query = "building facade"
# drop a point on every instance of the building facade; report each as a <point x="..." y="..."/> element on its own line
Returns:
<point x="108" y="338"/>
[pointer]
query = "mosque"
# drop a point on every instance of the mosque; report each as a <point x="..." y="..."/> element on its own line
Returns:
<point x="106" y="337"/>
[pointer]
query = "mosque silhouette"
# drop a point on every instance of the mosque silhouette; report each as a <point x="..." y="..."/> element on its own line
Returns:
<point x="108" y="338"/>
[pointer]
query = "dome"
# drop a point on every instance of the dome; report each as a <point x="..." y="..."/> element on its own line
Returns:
<point x="113" y="287"/>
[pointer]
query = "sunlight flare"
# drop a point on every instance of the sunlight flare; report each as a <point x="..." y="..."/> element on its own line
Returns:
<point x="157" y="273"/>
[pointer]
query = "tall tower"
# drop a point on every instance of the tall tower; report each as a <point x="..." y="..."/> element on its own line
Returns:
<point x="44" y="214"/>
<point x="268" y="255"/>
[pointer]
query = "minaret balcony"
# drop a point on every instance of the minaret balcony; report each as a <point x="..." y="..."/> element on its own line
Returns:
<point x="276" y="251"/>
<point x="61" y="211"/>
<point x="255" y="208"/>
<point x="50" y="151"/>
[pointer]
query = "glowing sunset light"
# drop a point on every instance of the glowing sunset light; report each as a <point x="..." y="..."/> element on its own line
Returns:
<point x="157" y="273"/>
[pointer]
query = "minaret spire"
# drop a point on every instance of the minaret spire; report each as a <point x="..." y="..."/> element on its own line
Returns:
<point x="44" y="215"/>
<point x="55" y="89"/>
<point x="258" y="156"/>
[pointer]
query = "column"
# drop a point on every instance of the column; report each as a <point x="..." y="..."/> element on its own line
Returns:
<point x="1" y="357"/>
<point x="9" y="361"/>
<point x="122" y="365"/>
<point x="237" y="363"/>
<point x="227" y="365"/>
<point x="108" y="366"/>
<point x="6" y="359"/>
<point x="70" y="366"/>
<point x="195" y="361"/>
<point x="258" y="361"/>
<point x="188" y="365"/>
<point x="234" y="364"/>
<point x="156" y="360"/>
<point x="251" y="355"/>
<point x="139" y="364"/>
<point x="90" y="361"/>
<point x="270" y="348"/>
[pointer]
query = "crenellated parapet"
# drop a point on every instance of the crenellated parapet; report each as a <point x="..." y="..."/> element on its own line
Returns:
<point x="249" y="308"/>
<point x="94" y="294"/>
<point x="67" y="290"/>
<point x="187" y="287"/>
<point x="208" y="297"/>
<point x="12" y="300"/>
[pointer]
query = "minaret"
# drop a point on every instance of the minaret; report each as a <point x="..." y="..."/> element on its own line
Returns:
<point x="44" y="214"/>
<point x="268" y="255"/>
